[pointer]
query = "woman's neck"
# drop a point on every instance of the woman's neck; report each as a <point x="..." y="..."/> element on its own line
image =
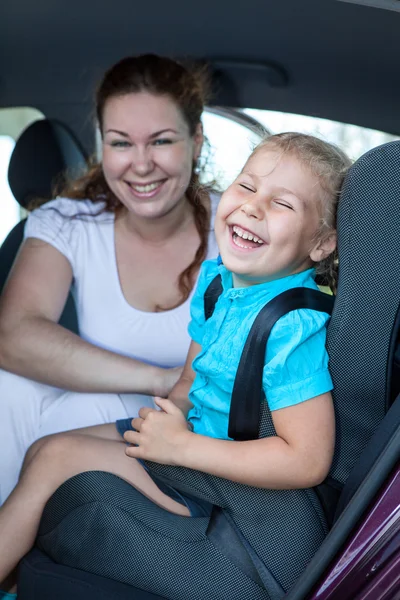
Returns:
<point x="159" y="230"/>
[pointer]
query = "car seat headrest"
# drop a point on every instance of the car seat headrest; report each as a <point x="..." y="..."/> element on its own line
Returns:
<point x="43" y="152"/>
<point x="362" y="327"/>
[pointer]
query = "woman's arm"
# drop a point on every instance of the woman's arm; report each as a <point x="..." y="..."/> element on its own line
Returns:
<point x="299" y="456"/>
<point x="32" y="344"/>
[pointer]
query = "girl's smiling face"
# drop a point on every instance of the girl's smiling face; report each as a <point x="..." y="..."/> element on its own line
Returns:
<point x="268" y="219"/>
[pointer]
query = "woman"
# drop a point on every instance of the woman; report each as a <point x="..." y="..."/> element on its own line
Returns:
<point x="130" y="237"/>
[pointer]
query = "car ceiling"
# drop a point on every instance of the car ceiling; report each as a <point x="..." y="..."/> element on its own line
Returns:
<point x="333" y="59"/>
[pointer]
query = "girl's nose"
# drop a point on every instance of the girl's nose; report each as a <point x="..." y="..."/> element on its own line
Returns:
<point x="252" y="209"/>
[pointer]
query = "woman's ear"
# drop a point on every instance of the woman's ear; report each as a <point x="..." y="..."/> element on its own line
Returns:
<point x="324" y="247"/>
<point x="198" y="140"/>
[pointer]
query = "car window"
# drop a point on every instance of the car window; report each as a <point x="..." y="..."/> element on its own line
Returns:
<point x="230" y="139"/>
<point x="12" y="122"/>
<point x="354" y="140"/>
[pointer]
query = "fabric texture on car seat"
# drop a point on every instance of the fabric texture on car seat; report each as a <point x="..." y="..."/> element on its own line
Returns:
<point x="84" y="525"/>
<point x="367" y="302"/>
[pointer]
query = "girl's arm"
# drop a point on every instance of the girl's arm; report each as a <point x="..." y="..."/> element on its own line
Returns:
<point x="32" y="344"/>
<point x="299" y="456"/>
<point x="179" y="394"/>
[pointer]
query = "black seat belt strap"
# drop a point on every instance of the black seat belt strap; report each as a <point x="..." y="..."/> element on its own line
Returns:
<point x="211" y="295"/>
<point x="247" y="392"/>
<point x="247" y="395"/>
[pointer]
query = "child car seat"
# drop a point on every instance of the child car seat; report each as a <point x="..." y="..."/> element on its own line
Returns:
<point x="98" y="524"/>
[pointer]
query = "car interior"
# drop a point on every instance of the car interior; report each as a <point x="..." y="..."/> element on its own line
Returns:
<point x="334" y="60"/>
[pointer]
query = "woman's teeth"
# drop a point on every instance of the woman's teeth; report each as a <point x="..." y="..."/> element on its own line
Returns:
<point x="246" y="235"/>
<point x="144" y="189"/>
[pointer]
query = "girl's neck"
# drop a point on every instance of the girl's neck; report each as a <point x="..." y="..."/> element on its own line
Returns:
<point x="240" y="282"/>
<point x="159" y="230"/>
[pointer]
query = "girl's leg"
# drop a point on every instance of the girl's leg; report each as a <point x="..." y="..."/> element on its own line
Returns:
<point x="105" y="432"/>
<point x="57" y="459"/>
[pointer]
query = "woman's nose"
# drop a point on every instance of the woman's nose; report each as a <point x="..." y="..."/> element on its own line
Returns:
<point x="142" y="161"/>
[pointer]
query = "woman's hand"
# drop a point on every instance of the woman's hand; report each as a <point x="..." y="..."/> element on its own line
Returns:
<point x="166" y="381"/>
<point x="160" y="435"/>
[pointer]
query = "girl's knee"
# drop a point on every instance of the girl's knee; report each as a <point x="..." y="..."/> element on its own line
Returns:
<point x="33" y="450"/>
<point x="49" y="449"/>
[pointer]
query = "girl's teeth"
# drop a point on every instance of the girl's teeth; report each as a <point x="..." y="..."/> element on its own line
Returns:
<point x="246" y="235"/>
<point x="240" y="245"/>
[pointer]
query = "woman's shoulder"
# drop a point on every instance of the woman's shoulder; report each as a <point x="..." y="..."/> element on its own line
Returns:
<point x="60" y="221"/>
<point x="69" y="207"/>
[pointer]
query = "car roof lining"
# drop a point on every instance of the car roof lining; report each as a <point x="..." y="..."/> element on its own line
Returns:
<point x="340" y="59"/>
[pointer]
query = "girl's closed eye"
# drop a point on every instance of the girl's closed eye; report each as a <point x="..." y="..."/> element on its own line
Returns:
<point x="247" y="187"/>
<point x="282" y="203"/>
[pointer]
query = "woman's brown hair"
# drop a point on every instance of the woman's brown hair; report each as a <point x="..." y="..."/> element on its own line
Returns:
<point x="188" y="88"/>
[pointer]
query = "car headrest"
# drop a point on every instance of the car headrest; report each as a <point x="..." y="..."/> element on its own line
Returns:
<point x="362" y="329"/>
<point x="43" y="152"/>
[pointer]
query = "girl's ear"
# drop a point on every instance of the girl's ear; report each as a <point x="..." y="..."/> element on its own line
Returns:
<point x="324" y="247"/>
<point x="198" y="140"/>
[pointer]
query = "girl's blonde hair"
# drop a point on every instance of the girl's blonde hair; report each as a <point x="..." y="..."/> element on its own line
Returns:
<point x="329" y="164"/>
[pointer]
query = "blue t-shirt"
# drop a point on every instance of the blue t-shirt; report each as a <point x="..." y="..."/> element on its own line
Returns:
<point x="296" y="361"/>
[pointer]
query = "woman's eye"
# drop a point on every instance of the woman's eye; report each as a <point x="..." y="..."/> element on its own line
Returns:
<point x="246" y="187"/>
<point x="120" y="144"/>
<point x="162" y="142"/>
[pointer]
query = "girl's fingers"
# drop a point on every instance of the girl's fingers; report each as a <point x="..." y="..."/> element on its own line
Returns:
<point x="133" y="451"/>
<point x="167" y="406"/>
<point x="145" y="410"/>
<point x="132" y="437"/>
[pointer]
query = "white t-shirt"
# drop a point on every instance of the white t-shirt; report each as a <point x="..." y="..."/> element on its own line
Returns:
<point x="105" y="317"/>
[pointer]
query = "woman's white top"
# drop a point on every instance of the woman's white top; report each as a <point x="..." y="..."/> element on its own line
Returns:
<point x="105" y="318"/>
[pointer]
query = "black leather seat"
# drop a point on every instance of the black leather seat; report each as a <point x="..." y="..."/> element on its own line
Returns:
<point x="44" y="152"/>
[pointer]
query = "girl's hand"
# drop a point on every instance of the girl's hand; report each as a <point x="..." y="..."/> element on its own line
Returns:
<point x="159" y="435"/>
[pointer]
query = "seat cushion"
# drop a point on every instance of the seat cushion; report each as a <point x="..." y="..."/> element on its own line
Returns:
<point x="39" y="578"/>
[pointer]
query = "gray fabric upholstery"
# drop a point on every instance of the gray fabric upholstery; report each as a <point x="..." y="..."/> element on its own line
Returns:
<point x="367" y="302"/>
<point x="115" y="531"/>
<point x="97" y="523"/>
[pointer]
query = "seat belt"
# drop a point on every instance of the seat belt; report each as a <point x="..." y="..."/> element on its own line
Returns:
<point x="247" y="395"/>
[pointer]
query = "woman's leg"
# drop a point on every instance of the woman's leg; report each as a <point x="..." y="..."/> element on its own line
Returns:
<point x="21" y="405"/>
<point x="30" y="410"/>
<point x="74" y="410"/>
<point x="57" y="459"/>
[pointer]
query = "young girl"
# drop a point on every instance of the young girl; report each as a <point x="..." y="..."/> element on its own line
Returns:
<point x="275" y="228"/>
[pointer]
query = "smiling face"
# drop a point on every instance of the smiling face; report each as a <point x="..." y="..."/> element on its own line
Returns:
<point x="148" y="152"/>
<point x="268" y="219"/>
